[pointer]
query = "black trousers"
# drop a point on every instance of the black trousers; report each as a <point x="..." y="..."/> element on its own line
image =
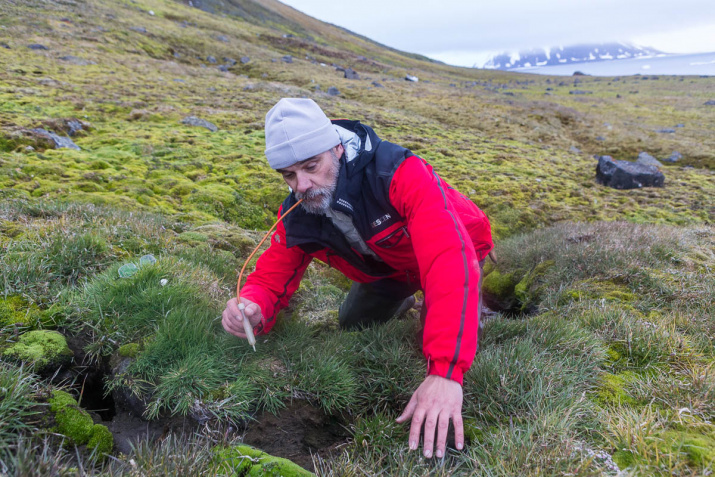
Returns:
<point x="377" y="302"/>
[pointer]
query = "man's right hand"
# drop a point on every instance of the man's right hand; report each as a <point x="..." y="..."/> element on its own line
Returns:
<point x="232" y="320"/>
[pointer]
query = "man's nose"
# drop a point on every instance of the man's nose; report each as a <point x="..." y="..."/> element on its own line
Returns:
<point x="304" y="183"/>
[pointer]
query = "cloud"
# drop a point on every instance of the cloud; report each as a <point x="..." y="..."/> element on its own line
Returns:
<point x="458" y="27"/>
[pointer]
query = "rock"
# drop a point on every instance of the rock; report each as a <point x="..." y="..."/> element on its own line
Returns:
<point x="627" y="175"/>
<point x="351" y="74"/>
<point x="37" y="46"/>
<point x="245" y="59"/>
<point x="194" y="121"/>
<point x="229" y="61"/>
<point x="29" y="149"/>
<point x="222" y="38"/>
<point x="123" y="397"/>
<point x="70" y="126"/>
<point x="58" y="142"/>
<point x="287" y="59"/>
<point x="138" y="29"/>
<point x="41" y="349"/>
<point x="648" y="160"/>
<point x="5" y="45"/>
<point x="411" y="78"/>
<point x="211" y="60"/>
<point x="333" y="91"/>
<point x="574" y="150"/>
<point x="674" y="157"/>
<point x="578" y="73"/>
<point x="75" y="60"/>
<point x="666" y="130"/>
<point x="710" y="103"/>
<point x="377" y="85"/>
<point x="223" y="68"/>
<point x="580" y="91"/>
<point x="600" y="138"/>
<point x="680" y="125"/>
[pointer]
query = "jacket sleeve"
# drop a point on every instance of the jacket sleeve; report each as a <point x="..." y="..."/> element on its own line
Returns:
<point x="277" y="276"/>
<point x="448" y="266"/>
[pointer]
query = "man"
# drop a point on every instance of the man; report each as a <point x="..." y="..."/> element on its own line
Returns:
<point x="384" y="218"/>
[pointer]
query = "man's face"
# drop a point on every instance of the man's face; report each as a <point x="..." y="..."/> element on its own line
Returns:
<point x="315" y="179"/>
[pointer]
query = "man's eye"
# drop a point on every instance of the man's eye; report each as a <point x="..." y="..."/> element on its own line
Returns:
<point x="311" y="167"/>
<point x="288" y="176"/>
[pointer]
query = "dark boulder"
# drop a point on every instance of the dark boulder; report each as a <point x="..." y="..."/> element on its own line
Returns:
<point x="75" y="60"/>
<point x="211" y="60"/>
<point x="674" y="157"/>
<point x="580" y="91"/>
<point x="194" y="121"/>
<point x="666" y="130"/>
<point x="627" y="175"/>
<point x="37" y="46"/>
<point x="55" y="141"/>
<point x="377" y="85"/>
<point x="710" y="103"/>
<point x="351" y="74"/>
<point x="287" y="59"/>
<point x="245" y="59"/>
<point x="333" y="91"/>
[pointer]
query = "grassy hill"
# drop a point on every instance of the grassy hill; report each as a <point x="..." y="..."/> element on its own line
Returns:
<point x="603" y="361"/>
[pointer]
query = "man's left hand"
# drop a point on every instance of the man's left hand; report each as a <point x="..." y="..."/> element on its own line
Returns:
<point x="434" y="403"/>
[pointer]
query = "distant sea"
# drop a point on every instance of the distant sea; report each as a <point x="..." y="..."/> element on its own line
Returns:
<point x="696" y="64"/>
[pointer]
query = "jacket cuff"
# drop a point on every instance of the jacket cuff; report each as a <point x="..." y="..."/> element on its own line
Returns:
<point x="441" y="368"/>
<point x="258" y="296"/>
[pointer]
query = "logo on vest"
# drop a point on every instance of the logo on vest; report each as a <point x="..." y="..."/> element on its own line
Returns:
<point x="381" y="221"/>
<point x="345" y="204"/>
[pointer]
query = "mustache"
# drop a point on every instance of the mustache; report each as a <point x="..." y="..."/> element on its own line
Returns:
<point x="313" y="193"/>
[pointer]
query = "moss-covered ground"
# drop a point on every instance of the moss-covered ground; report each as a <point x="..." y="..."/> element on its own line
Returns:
<point x="612" y="368"/>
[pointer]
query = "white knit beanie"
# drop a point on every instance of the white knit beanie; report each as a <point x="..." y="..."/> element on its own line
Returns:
<point x="296" y="130"/>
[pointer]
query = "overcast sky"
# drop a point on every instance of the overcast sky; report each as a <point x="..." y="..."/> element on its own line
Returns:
<point x="466" y="32"/>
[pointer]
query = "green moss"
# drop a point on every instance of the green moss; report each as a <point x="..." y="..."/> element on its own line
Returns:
<point x="101" y="439"/>
<point x="623" y="459"/>
<point x="699" y="448"/>
<point x="499" y="288"/>
<point x="41" y="348"/>
<point x="611" y="390"/>
<point x="529" y="287"/>
<point x="193" y="237"/>
<point x="72" y="421"/>
<point x="60" y="400"/>
<point x="247" y="460"/>
<point x="129" y="350"/>
<point x="592" y="289"/>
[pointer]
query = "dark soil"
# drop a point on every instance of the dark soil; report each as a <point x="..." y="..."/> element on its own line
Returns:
<point x="129" y="429"/>
<point x="298" y="433"/>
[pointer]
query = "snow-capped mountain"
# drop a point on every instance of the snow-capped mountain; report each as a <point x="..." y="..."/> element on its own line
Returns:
<point x="560" y="55"/>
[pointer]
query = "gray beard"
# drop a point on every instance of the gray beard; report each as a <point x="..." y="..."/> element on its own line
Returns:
<point x="318" y="200"/>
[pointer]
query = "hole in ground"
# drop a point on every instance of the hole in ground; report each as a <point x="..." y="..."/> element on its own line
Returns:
<point x="297" y="432"/>
<point x="88" y="381"/>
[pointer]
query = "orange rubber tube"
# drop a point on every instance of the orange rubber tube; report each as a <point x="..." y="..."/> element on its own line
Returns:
<point x="240" y="275"/>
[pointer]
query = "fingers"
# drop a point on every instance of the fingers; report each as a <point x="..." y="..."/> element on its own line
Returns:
<point x="417" y="418"/>
<point x="442" y="429"/>
<point x="430" y="425"/>
<point x="409" y="410"/>
<point x="232" y="324"/>
<point x="458" y="431"/>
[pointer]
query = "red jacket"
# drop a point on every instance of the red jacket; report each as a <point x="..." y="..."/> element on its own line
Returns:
<point x="420" y="227"/>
